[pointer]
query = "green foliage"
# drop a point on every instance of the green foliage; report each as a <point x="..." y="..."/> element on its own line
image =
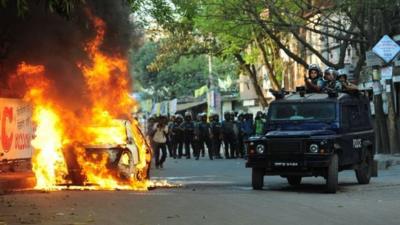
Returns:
<point x="177" y="77"/>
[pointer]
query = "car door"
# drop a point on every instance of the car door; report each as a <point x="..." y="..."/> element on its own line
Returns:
<point x="351" y="138"/>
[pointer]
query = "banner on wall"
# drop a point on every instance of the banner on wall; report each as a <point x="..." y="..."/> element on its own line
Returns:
<point x="16" y="129"/>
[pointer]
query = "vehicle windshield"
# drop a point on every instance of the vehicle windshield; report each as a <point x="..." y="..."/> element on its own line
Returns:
<point x="321" y="111"/>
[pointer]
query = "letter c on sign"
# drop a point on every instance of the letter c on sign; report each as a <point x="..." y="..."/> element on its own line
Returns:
<point x="6" y="141"/>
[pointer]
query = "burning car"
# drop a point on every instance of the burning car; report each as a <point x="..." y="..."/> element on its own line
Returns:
<point x="123" y="157"/>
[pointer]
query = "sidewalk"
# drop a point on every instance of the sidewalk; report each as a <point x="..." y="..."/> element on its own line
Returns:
<point x="17" y="180"/>
<point x="386" y="161"/>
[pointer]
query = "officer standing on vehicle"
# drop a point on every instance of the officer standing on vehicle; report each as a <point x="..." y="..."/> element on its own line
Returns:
<point x="216" y="135"/>
<point x="346" y="85"/>
<point x="188" y="134"/>
<point x="331" y="84"/>
<point x="204" y="136"/>
<point x="313" y="81"/>
<point x="228" y="135"/>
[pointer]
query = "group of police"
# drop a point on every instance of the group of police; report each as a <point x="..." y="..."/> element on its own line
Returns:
<point x="329" y="81"/>
<point x="191" y="137"/>
<point x="185" y="136"/>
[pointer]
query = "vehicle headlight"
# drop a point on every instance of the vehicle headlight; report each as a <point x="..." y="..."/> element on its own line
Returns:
<point x="314" y="148"/>
<point x="260" y="149"/>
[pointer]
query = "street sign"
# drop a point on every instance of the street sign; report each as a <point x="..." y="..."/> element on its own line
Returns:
<point x="397" y="61"/>
<point x="386" y="73"/>
<point x="372" y="59"/>
<point x="386" y="48"/>
<point x="396" y="79"/>
<point x="251" y="102"/>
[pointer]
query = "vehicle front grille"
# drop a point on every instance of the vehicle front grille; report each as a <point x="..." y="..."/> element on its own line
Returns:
<point x="280" y="146"/>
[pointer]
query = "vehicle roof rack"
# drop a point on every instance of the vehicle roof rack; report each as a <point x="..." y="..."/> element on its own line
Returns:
<point x="301" y="90"/>
<point x="279" y="94"/>
<point x="332" y="94"/>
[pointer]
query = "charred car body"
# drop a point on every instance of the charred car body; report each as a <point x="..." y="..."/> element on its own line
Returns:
<point x="314" y="134"/>
<point x="121" y="157"/>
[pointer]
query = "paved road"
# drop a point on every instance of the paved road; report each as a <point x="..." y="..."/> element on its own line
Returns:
<point x="214" y="192"/>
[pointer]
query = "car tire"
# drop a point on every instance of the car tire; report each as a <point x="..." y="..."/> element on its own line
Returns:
<point x="294" y="180"/>
<point x="364" y="171"/>
<point x="332" y="175"/>
<point x="257" y="178"/>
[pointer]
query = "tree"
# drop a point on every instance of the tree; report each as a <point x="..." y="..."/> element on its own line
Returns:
<point x="176" y="76"/>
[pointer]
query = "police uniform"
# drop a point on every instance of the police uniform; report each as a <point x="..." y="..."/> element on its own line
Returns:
<point x="216" y="132"/>
<point x="177" y="137"/>
<point x="204" y="136"/>
<point x="229" y="136"/>
<point x="188" y="135"/>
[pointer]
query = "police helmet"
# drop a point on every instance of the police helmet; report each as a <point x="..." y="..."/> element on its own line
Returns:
<point x="314" y="67"/>
<point x="342" y="73"/>
<point x="227" y="115"/>
<point x="330" y="71"/>
<point x="215" y="117"/>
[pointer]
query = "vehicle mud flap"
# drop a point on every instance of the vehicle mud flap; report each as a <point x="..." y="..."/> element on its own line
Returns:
<point x="257" y="178"/>
<point x="374" y="172"/>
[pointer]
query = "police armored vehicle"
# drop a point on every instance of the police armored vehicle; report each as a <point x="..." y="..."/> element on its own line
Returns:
<point x="314" y="134"/>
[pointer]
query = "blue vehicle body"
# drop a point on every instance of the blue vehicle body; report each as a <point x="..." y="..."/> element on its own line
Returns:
<point x="306" y="134"/>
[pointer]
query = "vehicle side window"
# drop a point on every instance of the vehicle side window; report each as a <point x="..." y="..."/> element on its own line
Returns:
<point x="365" y="116"/>
<point x="352" y="117"/>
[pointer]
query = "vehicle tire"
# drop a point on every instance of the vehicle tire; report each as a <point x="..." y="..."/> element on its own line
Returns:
<point x="294" y="180"/>
<point x="257" y="178"/>
<point x="126" y="167"/>
<point x="76" y="177"/>
<point x="364" y="171"/>
<point x="332" y="175"/>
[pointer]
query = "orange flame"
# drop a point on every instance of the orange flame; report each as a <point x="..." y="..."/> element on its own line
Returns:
<point x="63" y="139"/>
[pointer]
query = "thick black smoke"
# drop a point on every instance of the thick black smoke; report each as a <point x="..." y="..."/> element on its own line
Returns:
<point x="46" y="38"/>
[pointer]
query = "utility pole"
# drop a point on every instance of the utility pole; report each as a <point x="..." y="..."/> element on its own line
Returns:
<point x="213" y="96"/>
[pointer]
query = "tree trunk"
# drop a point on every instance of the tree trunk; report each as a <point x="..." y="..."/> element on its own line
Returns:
<point x="380" y="121"/>
<point x="392" y="128"/>
<point x="252" y="73"/>
<point x="271" y="72"/>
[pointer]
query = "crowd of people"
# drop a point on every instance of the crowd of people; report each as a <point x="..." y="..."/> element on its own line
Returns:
<point x="185" y="136"/>
<point x="182" y="136"/>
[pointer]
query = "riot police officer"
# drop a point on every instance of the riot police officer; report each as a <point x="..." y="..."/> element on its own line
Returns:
<point x="204" y="136"/>
<point x="188" y="134"/>
<point x="241" y="134"/>
<point x="331" y="84"/>
<point x="216" y="135"/>
<point x="177" y="136"/>
<point x="228" y="135"/>
<point x="313" y="81"/>
<point x="170" y="142"/>
<point x="346" y="85"/>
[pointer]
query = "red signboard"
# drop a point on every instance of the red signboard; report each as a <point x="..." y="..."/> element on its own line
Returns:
<point x="15" y="129"/>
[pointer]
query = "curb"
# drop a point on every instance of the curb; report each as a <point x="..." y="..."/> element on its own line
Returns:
<point x="387" y="161"/>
